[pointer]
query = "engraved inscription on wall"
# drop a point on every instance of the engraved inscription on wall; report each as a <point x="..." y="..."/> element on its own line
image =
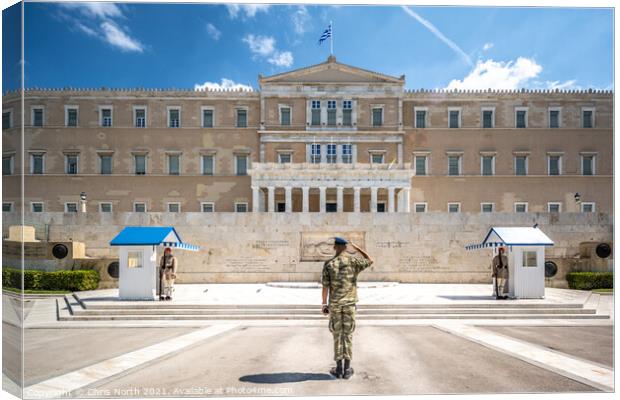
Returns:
<point x="319" y="246"/>
<point x="420" y="264"/>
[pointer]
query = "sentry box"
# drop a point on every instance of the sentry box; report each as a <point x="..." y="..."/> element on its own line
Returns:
<point x="138" y="276"/>
<point x="526" y="258"/>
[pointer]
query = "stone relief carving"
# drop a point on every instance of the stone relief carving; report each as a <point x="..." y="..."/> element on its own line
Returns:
<point x="319" y="246"/>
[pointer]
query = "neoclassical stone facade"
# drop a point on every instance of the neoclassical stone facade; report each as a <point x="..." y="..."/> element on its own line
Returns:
<point x="326" y="138"/>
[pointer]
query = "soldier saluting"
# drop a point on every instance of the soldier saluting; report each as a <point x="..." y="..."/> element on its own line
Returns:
<point x="339" y="279"/>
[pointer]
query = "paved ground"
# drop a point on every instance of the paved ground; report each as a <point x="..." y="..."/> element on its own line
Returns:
<point x="593" y="343"/>
<point x="388" y="360"/>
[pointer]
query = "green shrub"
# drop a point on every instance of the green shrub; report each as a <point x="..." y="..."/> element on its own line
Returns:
<point x="590" y="280"/>
<point x="35" y="279"/>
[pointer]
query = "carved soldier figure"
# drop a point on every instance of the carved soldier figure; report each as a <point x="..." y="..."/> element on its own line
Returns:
<point x="339" y="279"/>
<point x="500" y="273"/>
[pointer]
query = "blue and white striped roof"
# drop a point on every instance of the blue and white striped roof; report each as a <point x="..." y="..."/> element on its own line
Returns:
<point x="513" y="236"/>
<point x="151" y="236"/>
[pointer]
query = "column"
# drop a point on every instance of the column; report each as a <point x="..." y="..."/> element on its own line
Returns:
<point x="288" y="199"/>
<point x="271" y="199"/>
<point x="255" y="201"/>
<point x="356" y="198"/>
<point x="373" y="198"/>
<point x="339" y="199"/>
<point x="322" y="198"/>
<point x="400" y="155"/>
<point x="404" y="207"/>
<point x="305" y="199"/>
<point x="391" y="199"/>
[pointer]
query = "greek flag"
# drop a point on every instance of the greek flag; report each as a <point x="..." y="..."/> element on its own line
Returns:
<point x="326" y="34"/>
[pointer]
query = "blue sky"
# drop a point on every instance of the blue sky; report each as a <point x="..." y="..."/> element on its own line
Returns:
<point x="185" y="45"/>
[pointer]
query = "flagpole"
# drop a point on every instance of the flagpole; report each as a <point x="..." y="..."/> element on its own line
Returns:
<point x="331" y="39"/>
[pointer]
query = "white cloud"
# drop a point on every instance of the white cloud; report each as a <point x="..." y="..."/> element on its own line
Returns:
<point x="301" y="20"/>
<point x="265" y="47"/>
<point x="487" y="46"/>
<point x="428" y="25"/>
<point x="116" y="37"/>
<point x="284" y="59"/>
<point x="491" y="74"/>
<point x="570" y="84"/>
<point x="250" y="10"/>
<point x="85" y="29"/>
<point x="213" y="32"/>
<point x="227" y="84"/>
<point x="100" y="10"/>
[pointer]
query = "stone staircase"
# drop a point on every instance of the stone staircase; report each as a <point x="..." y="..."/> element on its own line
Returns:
<point x="71" y="308"/>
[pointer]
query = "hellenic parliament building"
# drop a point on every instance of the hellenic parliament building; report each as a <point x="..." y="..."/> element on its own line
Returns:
<point x="412" y="174"/>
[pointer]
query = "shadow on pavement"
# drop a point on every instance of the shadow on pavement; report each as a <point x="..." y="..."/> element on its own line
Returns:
<point x="286" y="377"/>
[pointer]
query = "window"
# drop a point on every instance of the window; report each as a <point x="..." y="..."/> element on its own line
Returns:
<point x="7" y="165"/>
<point x="530" y="259"/>
<point x="554" y="207"/>
<point x="587" y="207"/>
<point x="347" y="154"/>
<point x="554" y="117"/>
<point x="36" y="164"/>
<point x="105" y="207"/>
<point x="420" y="207"/>
<point x="488" y="117"/>
<point x="174" y="207"/>
<point x="487" y="165"/>
<point x="376" y="158"/>
<point x="486" y="207"/>
<point x="241" y="207"/>
<point x="285" y="116"/>
<point x="420" y="117"/>
<point x="174" y="164"/>
<point x="587" y="117"/>
<point x="71" y="164"/>
<point x="139" y="117"/>
<point x="7" y="119"/>
<point x="454" y="207"/>
<point x="174" y="117"/>
<point x="242" y="118"/>
<point x="315" y="153"/>
<point x="71" y="115"/>
<point x="521" y="165"/>
<point x="140" y="164"/>
<point x="587" y="164"/>
<point x="37" y="116"/>
<point x="331" y="113"/>
<point x="207" y="117"/>
<point x="105" y="116"/>
<point x="377" y="116"/>
<point x="454" y="118"/>
<point x="36" y="206"/>
<point x="521" y="117"/>
<point x="208" y="164"/>
<point x="555" y="164"/>
<point x="331" y="153"/>
<point x="139" y="207"/>
<point x="7" y="207"/>
<point x="106" y="164"/>
<point x="381" y="207"/>
<point x="454" y="165"/>
<point x="420" y="165"/>
<point x="241" y="165"/>
<point x="284" y="158"/>
<point x="347" y="111"/>
<point x="316" y="113"/>
<point x="207" y="207"/>
<point x="134" y="259"/>
<point x="520" y="207"/>
<point x="331" y="207"/>
<point x="71" y="207"/>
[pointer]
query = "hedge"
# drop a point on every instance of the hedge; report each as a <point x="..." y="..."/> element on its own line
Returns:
<point x="590" y="280"/>
<point x="35" y="279"/>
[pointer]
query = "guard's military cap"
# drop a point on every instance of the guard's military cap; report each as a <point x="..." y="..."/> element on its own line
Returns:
<point x="339" y="240"/>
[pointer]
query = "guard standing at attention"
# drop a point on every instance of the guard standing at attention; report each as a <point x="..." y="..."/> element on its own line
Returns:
<point x="500" y="273"/>
<point x="167" y="274"/>
<point x="339" y="280"/>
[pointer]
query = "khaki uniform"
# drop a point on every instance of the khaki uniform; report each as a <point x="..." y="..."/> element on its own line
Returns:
<point x="167" y="273"/>
<point x="340" y="276"/>
<point x="501" y="275"/>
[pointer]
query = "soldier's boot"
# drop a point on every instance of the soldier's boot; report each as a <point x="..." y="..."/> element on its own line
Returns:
<point x="348" y="370"/>
<point x="337" y="370"/>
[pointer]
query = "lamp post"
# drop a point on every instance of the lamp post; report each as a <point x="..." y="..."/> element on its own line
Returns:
<point x="83" y="202"/>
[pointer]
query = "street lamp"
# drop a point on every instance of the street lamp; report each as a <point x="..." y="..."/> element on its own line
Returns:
<point x="577" y="198"/>
<point x="83" y="202"/>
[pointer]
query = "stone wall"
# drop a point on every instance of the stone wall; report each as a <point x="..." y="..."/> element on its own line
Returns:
<point x="263" y="247"/>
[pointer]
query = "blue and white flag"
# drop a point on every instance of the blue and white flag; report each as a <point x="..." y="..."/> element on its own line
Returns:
<point x="326" y="34"/>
